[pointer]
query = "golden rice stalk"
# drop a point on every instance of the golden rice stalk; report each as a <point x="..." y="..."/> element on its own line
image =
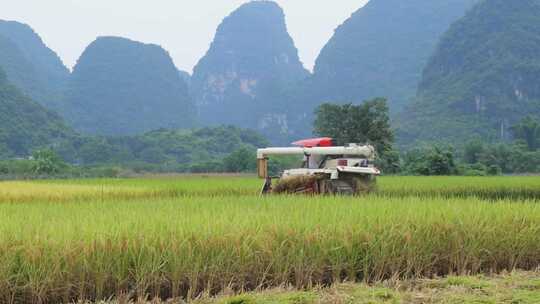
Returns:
<point x="296" y="184"/>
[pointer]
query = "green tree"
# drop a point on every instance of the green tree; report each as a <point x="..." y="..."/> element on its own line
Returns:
<point x="4" y="168"/>
<point x="511" y="158"/>
<point x="473" y="150"/>
<point x="153" y="155"/>
<point x="47" y="162"/>
<point x="365" y="123"/>
<point x="528" y="131"/>
<point x="441" y="161"/>
<point x="241" y="160"/>
<point x="433" y="160"/>
<point x="96" y="150"/>
<point x="4" y="151"/>
<point x="499" y="155"/>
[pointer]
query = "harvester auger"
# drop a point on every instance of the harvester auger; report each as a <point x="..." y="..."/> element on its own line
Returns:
<point x="327" y="169"/>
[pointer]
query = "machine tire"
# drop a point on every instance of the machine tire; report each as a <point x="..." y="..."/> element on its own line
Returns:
<point x="343" y="187"/>
<point x="349" y="184"/>
<point x="336" y="187"/>
<point x="365" y="184"/>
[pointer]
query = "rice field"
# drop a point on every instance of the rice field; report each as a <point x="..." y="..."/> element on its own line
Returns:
<point x="489" y="188"/>
<point x="74" y="240"/>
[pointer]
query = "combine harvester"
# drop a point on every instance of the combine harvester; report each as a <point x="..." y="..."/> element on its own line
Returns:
<point x="327" y="169"/>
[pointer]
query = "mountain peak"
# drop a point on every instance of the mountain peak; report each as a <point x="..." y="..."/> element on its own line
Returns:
<point x="124" y="87"/>
<point x="122" y="40"/>
<point x="259" y="5"/>
<point x="250" y="60"/>
<point x="19" y="28"/>
<point x="259" y="11"/>
<point x="39" y="72"/>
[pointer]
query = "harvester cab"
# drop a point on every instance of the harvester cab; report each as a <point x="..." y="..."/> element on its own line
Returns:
<point x="326" y="169"/>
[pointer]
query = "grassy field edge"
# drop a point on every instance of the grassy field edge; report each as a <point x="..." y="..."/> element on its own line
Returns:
<point x="515" y="287"/>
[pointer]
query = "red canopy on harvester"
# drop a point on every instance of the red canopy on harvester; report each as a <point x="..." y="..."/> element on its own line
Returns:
<point x="315" y="142"/>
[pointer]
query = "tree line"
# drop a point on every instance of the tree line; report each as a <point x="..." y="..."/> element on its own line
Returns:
<point x="230" y="149"/>
<point x="370" y="123"/>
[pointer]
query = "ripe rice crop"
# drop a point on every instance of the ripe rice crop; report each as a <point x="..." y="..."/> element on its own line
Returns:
<point x="63" y="241"/>
<point x="125" y="189"/>
<point x="493" y="188"/>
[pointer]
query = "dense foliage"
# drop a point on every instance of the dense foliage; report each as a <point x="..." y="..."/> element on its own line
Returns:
<point x="16" y="66"/>
<point x="250" y="62"/>
<point x="198" y="150"/>
<point x="501" y="158"/>
<point x="432" y="160"/>
<point x="47" y="162"/>
<point x="479" y="157"/>
<point x="34" y="68"/>
<point x="24" y="124"/>
<point x="365" y="123"/>
<point x="482" y="79"/>
<point x="528" y="132"/>
<point x="123" y="87"/>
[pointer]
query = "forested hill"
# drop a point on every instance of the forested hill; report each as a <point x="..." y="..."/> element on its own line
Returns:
<point x="251" y="60"/>
<point x="24" y="124"/>
<point x="35" y="69"/>
<point x="381" y="51"/>
<point x="483" y="77"/>
<point x="124" y="87"/>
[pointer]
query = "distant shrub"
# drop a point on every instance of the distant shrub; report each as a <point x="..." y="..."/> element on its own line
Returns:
<point x="432" y="160"/>
<point x="47" y="162"/>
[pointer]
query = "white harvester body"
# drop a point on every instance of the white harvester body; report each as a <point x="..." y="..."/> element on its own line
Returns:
<point x="327" y="169"/>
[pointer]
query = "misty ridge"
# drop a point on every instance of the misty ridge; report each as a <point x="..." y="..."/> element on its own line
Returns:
<point x="451" y="71"/>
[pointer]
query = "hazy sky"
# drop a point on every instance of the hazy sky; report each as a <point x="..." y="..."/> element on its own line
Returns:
<point x="183" y="27"/>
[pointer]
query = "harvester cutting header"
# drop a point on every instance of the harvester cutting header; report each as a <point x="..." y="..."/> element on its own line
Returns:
<point x="327" y="169"/>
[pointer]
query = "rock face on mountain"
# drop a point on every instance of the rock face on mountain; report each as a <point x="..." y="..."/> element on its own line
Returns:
<point x="380" y="51"/>
<point x="185" y="77"/>
<point x="30" y="64"/>
<point x="123" y="87"/>
<point x="24" y="124"/>
<point x="250" y="62"/>
<point x="484" y="76"/>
